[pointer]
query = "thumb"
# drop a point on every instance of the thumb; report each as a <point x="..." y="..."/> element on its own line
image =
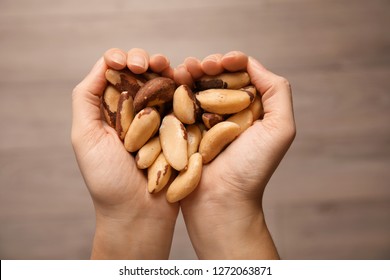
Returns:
<point x="275" y="94"/>
<point x="86" y="98"/>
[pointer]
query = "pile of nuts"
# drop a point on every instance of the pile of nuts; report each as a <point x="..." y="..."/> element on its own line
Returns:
<point x="173" y="131"/>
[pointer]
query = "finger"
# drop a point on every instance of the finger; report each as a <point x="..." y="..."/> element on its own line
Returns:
<point x="182" y="76"/>
<point x="194" y="67"/>
<point x="137" y="60"/>
<point x="168" y="72"/>
<point x="234" y="61"/>
<point x="86" y="98"/>
<point x="276" y="96"/>
<point x="115" y="58"/>
<point x="158" y="63"/>
<point x="211" y="65"/>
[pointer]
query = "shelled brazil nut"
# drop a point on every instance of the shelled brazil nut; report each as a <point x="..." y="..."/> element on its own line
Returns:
<point x="173" y="130"/>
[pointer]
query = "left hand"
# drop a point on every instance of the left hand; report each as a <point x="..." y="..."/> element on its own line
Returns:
<point x="224" y="215"/>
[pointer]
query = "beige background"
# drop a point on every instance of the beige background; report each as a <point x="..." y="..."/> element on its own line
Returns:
<point x="330" y="197"/>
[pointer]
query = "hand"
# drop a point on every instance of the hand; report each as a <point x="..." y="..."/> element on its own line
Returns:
<point x="224" y="215"/>
<point x="130" y="223"/>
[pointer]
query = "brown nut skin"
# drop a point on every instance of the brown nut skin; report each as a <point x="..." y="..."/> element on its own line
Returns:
<point x="211" y="119"/>
<point x="187" y="180"/>
<point x="154" y="92"/>
<point x="217" y="138"/>
<point x="251" y="89"/>
<point x="244" y="119"/>
<point x="110" y="102"/>
<point x="125" y="114"/>
<point x="194" y="135"/>
<point x="158" y="174"/>
<point x="234" y="80"/>
<point x="184" y="105"/>
<point x="148" y="153"/>
<point x="164" y="109"/>
<point x="224" y="101"/>
<point x="203" y="128"/>
<point x="257" y="108"/>
<point x="173" y="139"/>
<point x="150" y="75"/>
<point x="145" y="124"/>
<point x="125" y="81"/>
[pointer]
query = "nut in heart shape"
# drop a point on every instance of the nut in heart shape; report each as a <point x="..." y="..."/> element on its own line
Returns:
<point x="174" y="130"/>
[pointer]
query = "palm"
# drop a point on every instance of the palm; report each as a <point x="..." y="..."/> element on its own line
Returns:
<point x="240" y="166"/>
<point x="243" y="169"/>
<point x="110" y="172"/>
<point x="234" y="175"/>
<point x="113" y="178"/>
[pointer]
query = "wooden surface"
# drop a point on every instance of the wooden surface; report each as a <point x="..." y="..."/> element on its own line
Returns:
<point x="330" y="197"/>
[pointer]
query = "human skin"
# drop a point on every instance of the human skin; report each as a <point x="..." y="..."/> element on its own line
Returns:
<point x="224" y="215"/>
<point x="130" y="223"/>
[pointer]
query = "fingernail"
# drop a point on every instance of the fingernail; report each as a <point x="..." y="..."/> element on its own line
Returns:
<point x="179" y="70"/>
<point x="182" y="67"/>
<point x="138" y="60"/>
<point x="118" y="58"/>
<point x="191" y="59"/>
<point x="212" y="58"/>
<point x="230" y="54"/>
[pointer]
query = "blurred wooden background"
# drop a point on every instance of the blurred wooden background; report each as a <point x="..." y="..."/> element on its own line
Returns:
<point x="330" y="197"/>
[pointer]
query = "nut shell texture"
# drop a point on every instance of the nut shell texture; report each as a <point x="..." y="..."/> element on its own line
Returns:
<point x="187" y="180"/>
<point x="217" y="138"/>
<point x="173" y="139"/>
<point x="158" y="174"/>
<point x="154" y="92"/>
<point x="224" y="101"/>
<point x="143" y="127"/>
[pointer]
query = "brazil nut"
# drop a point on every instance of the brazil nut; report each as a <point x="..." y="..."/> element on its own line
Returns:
<point x="173" y="139"/>
<point x="184" y="105"/>
<point x="145" y="124"/>
<point x="187" y="180"/>
<point x="110" y="102"/>
<point x="203" y="129"/>
<point x="174" y="130"/>
<point x="244" y="119"/>
<point x="150" y="75"/>
<point x="148" y="153"/>
<point x="124" y="81"/>
<point x="257" y="108"/>
<point x="211" y="119"/>
<point x="251" y="89"/>
<point x="154" y="92"/>
<point x="194" y="135"/>
<point x="125" y="114"/>
<point x="217" y="138"/>
<point x="235" y="80"/>
<point x="224" y="101"/>
<point x="158" y="174"/>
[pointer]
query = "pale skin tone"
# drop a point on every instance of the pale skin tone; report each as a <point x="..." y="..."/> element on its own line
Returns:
<point x="131" y="223"/>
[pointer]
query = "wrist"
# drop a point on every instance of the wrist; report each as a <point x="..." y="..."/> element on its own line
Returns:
<point x="133" y="237"/>
<point x="234" y="232"/>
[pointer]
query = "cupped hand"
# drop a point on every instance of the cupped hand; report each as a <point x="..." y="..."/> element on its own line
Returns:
<point x="224" y="214"/>
<point x="118" y="188"/>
